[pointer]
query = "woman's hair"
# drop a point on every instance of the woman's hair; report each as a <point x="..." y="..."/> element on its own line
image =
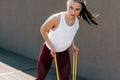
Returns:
<point x="85" y="14"/>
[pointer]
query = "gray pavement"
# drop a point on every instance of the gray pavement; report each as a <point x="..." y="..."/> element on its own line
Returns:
<point x="25" y="64"/>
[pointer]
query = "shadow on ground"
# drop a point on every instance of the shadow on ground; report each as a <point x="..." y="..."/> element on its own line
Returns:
<point x="25" y="64"/>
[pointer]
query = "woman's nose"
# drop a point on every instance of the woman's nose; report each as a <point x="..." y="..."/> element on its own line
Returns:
<point x="73" y="11"/>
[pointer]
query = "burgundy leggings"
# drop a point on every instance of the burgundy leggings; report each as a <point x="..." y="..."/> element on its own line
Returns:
<point x="45" y="61"/>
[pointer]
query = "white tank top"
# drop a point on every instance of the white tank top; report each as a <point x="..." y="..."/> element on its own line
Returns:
<point x="63" y="36"/>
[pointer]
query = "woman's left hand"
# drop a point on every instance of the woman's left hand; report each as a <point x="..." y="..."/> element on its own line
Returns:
<point x="75" y="50"/>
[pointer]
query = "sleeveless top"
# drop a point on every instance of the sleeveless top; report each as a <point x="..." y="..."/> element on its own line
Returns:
<point x="63" y="36"/>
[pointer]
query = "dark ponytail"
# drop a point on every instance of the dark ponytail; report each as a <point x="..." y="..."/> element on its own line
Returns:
<point x="86" y="15"/>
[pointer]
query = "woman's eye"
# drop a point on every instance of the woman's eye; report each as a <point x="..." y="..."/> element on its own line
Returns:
<point x="71" y="7"/>
<point x="77" y="9"/>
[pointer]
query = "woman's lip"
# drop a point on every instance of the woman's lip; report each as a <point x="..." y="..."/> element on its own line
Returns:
<point x="72" y="15"/>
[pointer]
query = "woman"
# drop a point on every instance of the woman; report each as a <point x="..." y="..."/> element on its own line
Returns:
<point x="62" y="28"/>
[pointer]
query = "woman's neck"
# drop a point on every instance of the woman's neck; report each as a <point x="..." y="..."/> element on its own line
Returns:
<point x="69" y="20"/>
<point x="69" y="17"/>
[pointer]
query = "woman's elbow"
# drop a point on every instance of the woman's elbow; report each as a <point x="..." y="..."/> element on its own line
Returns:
<point x="42" y="30"/>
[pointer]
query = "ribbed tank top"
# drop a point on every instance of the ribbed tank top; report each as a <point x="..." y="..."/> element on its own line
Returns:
<point x="63" y="36"/>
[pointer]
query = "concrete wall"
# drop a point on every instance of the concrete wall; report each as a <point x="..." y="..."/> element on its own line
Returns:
<point x="20" y="21"/>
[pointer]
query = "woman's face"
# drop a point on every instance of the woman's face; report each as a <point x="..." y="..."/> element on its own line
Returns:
<point x="73" y="8"/>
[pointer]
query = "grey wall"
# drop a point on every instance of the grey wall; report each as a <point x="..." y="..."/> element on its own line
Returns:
<point x="20" y="21"/>
<point x="99" y="57"/>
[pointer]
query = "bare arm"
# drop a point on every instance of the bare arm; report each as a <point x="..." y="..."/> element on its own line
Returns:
<point x="49" y="24"/>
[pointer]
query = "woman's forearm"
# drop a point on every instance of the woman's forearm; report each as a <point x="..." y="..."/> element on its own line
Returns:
<point x="45" y="35"/>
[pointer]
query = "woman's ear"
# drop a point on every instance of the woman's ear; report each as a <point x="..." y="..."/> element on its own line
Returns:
<point x="80" y="19"/>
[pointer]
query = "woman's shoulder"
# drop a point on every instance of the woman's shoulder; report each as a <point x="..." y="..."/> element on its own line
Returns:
<point x="55" y="17"/>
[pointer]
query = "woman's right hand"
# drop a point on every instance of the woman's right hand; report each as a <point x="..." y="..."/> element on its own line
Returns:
<point x="53" y="53"/>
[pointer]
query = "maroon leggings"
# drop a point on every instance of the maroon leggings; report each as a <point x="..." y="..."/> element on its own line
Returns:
<point x="45" y="61"/>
